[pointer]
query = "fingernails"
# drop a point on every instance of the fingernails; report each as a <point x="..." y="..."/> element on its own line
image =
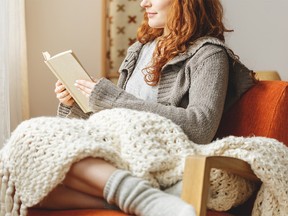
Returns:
<point x="76" y="83"/>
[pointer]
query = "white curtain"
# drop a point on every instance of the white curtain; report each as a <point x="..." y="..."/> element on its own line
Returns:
<point x="13" y="67"/>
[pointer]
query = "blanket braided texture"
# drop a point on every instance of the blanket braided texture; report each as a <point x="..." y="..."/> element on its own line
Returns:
<point x="40" y="152"/>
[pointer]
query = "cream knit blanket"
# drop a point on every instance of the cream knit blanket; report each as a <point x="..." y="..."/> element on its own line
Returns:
<point x="40" y="152"/>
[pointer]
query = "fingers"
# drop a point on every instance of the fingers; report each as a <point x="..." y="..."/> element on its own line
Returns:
<point x="62" y="94"/>
<point x="58" y="83"/>
<point x="65" y="98"/>
<point x="84" y="83"/>
<point x="85" y="86"/>
<point x="68" y="102"/>
<point x="59" y="87"/>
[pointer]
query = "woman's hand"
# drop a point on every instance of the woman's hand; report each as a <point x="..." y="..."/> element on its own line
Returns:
<point x="63" y="95"/>
<point x="85" y="86"/>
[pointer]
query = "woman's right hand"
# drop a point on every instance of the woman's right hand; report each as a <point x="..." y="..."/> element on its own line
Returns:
<point x="63" y="95"/>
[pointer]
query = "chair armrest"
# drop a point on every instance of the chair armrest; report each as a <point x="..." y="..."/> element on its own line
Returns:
<point x="197" y="175"/>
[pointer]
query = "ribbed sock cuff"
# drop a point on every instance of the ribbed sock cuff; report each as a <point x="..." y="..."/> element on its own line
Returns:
<point x="113" y="183"/>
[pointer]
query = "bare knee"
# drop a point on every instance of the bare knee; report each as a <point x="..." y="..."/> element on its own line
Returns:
<point x="90" y="164"/>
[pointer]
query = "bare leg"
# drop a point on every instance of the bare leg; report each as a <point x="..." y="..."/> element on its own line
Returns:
<point x="89" y="176"/>
<point x="82" y="187"/>
<point x="131" y="194"/>
<point x="65" y="198"/>
<point x="75" y="183"/>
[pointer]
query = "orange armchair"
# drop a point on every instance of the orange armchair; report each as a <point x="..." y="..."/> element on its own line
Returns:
<point x="262" y="111"/>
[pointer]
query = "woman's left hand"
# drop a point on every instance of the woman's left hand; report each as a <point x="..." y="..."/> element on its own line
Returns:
<point x="85" y="86"/>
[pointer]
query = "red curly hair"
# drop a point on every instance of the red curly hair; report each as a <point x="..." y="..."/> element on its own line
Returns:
<point x="188" y="20"/>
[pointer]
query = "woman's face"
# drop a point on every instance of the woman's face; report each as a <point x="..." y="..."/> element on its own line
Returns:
<point x="157" y="12"/>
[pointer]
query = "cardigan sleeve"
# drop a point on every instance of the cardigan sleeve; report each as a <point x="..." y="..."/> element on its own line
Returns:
<point x="207" y="92"/>
<point x="71" y="112"/>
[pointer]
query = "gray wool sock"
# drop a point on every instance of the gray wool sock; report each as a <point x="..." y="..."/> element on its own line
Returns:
<point x="175" y="189"/>
<point x="135" y="196"/>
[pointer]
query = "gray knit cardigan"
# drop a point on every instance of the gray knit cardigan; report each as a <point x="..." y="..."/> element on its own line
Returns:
<point x="195" y="88"/>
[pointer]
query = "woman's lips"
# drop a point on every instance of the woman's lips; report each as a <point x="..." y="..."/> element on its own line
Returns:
<point x="150" y="15"/>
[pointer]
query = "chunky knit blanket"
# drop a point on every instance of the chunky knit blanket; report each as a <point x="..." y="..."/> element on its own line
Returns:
<point x="40" y="152"/>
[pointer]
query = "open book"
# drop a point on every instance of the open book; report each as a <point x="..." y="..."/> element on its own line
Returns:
<point x="68" y="69"/>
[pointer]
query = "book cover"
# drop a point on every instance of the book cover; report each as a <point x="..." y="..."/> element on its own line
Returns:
<point x="66" y="67"/>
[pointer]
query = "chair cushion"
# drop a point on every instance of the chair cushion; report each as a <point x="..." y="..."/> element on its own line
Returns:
<point x="262" y="111"/>
<point x="88" y="212"/>
<point x="78" y="212"/>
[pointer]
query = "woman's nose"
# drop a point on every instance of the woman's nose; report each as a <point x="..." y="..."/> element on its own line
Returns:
<point x="145" y="3"/>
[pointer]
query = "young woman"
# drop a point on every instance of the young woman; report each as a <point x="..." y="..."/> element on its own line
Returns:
<point x="179" y="68"/>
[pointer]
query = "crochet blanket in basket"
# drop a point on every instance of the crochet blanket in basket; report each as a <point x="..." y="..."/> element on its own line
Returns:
<point x="40" y="152"/>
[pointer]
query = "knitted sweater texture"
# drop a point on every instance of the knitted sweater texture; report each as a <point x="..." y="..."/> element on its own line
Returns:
<point x="194" y="89"/>
<point x="40" y="152"/>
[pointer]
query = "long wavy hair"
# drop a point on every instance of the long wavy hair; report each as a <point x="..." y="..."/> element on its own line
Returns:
<point x="188" y="20"/>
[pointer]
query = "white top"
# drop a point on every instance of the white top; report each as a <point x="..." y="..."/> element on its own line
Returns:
<point x="136" y="84"/>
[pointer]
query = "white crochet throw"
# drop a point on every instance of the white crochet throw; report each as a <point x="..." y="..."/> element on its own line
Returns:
<point x="40" y="152"/>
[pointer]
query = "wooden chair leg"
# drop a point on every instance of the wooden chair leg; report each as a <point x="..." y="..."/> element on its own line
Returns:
<point x="196" y="179"/>
<point x="195" y="183"/>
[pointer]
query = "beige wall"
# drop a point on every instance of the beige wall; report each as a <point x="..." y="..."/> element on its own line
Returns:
<point x="260" y="33"/>
<point x="260" y="39"/>
<point x="56" y="26"/>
